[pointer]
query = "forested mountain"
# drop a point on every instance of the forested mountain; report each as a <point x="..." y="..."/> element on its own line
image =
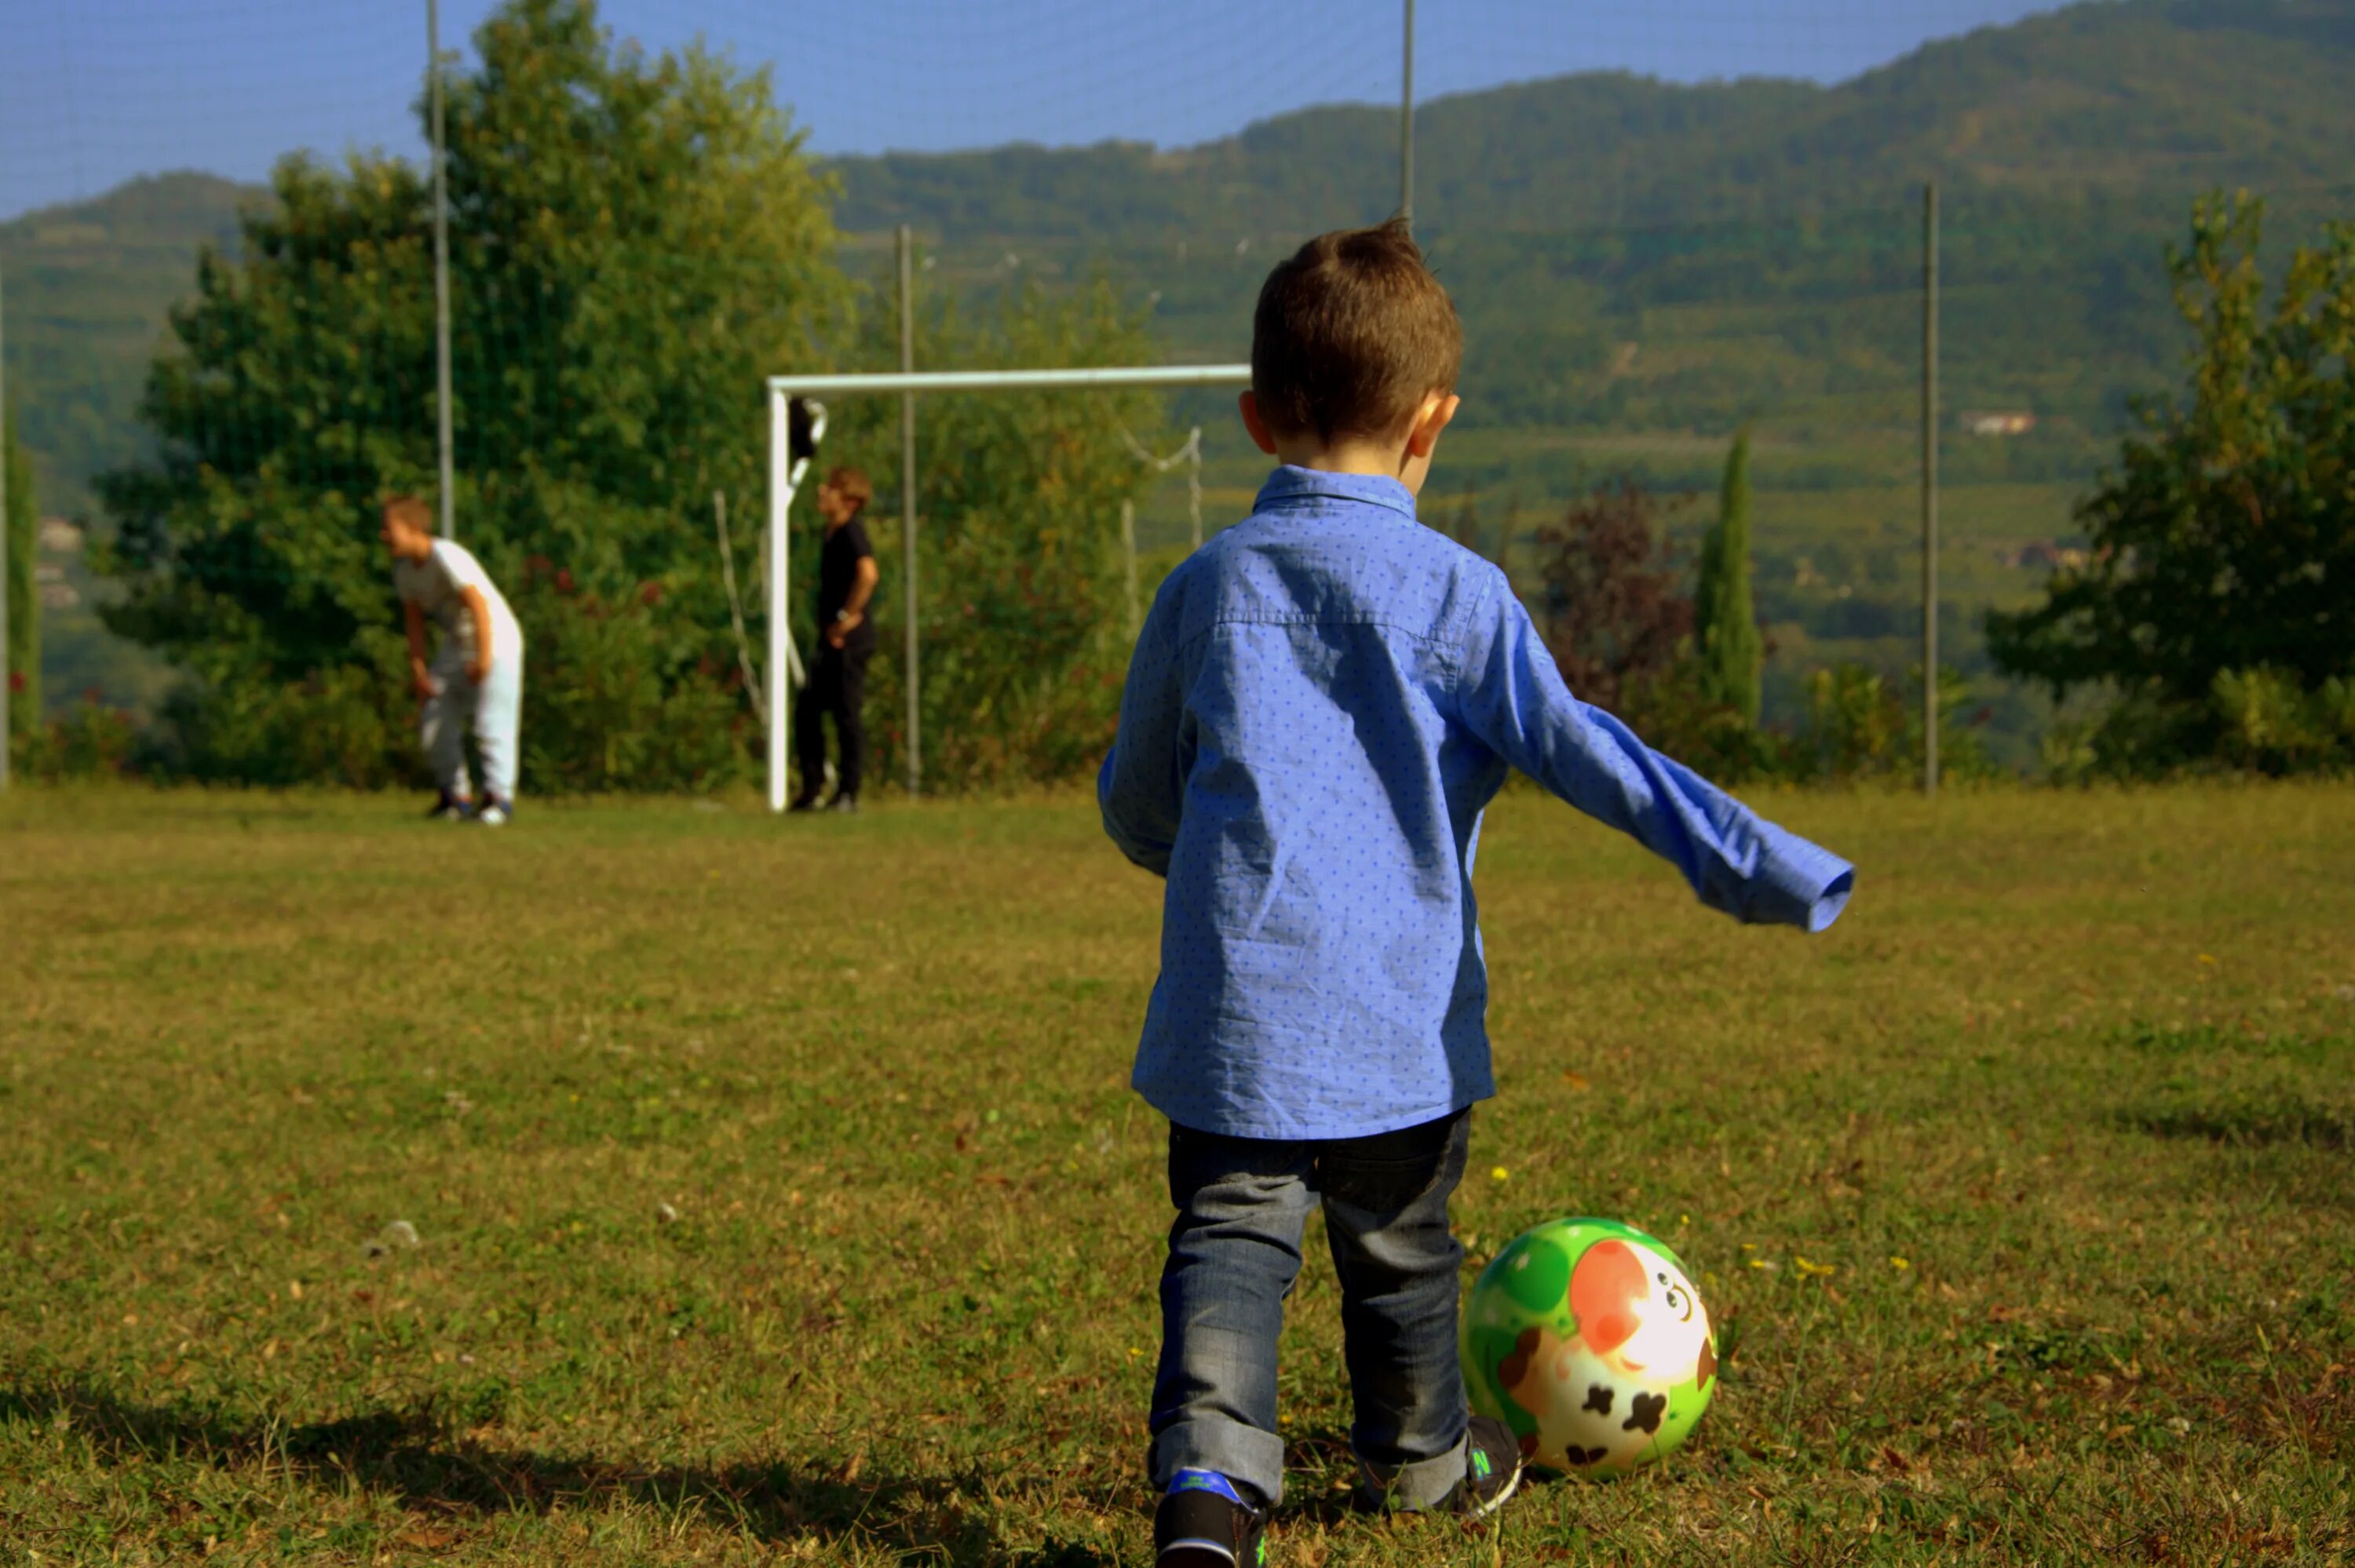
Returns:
<point x="1629" y="252"/>
<point x="1641" y="266"/>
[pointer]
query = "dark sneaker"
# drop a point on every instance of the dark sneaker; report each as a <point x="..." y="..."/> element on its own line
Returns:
<point x="1492" y="1468"/>
<point x="1202" y="1522"/>
<point x="847" y="804"/>
<point x="449" y="807"/>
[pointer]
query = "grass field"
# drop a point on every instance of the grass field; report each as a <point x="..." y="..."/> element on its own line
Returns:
<point x="777" y="1191"/>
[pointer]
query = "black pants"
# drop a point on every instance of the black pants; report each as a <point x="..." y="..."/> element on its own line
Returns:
<point x="837" y="687"/>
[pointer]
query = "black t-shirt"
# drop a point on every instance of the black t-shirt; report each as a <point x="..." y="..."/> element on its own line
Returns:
<point x="838" y="571"/>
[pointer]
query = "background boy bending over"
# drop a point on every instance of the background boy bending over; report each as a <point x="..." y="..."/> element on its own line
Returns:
<point x="1322" y="702"/>
<point x="476" y="681"/>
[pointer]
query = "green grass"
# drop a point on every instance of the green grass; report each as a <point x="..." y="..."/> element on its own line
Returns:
<point x="779" y="1192"/>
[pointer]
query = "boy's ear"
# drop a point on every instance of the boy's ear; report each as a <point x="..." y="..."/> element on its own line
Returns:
<point x="1429" y="420"/>
<point x="1261" y="437"/>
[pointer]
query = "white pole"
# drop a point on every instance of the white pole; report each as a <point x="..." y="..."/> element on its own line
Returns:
<point x="1075" y="380"/>
<point x="781" y="497"/>
<point x="440" y="281"/>
<point x="911" y="677"/>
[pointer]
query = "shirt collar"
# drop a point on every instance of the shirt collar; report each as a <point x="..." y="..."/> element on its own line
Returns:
<point x="1289" y="485"/>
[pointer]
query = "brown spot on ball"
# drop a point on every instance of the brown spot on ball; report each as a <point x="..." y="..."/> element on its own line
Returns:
<point x="1516" y="1366"/>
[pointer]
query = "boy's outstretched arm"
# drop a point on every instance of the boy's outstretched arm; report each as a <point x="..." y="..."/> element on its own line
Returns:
<point x="1142" y="786"/>
<point x="1513" y="698"/>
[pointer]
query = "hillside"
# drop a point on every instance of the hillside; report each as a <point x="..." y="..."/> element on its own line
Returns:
<point x="88" y="286"/>
<point x="1641" y="265"/>
<point x="2099" y="99"/>
<point x="1755" y="241"/>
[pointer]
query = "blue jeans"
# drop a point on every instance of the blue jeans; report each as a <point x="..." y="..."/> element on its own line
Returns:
<point x="1234" y="1252"/>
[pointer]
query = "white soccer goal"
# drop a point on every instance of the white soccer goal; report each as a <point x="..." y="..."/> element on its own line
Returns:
<point x="789" y="460"/>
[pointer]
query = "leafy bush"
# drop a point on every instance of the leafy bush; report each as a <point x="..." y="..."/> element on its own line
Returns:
<point x="2269" y="722"/>
<point x="613" y="699"/>
<point x="89" y="740"/>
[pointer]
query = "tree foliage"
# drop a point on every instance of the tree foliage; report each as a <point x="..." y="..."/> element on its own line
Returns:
<point x="1022" y="601"/>
<point x="2220" y="596"/>
<point x="635" y="242"/>
<point x="1615" y="612"/>
<point x="1731" y="649"/>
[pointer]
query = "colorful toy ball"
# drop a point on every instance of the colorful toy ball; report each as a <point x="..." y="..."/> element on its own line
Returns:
<point x="1588" y="1339"/>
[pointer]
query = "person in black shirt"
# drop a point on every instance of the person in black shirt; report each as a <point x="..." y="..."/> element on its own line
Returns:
<point x="846" y="581"/>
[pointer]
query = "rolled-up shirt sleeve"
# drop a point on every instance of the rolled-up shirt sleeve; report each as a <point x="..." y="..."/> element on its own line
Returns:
<point x="1513" y="697"/>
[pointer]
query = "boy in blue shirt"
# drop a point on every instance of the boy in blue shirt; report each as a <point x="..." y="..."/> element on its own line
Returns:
<point x="1322" y="702"/>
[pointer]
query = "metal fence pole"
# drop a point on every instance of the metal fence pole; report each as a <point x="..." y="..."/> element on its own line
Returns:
<point x="1128" y="552"/>
<point x="8" y="735"/>
<point x="1930" y="489"/>
<point x="908" y="502"/>
<point x="441" y="280"/>
<point x="1406" y="118"/>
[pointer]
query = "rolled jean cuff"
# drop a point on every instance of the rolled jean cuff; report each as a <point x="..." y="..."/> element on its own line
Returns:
<point x="1424" y="1483"/>
<point x="1252" y="1459"/>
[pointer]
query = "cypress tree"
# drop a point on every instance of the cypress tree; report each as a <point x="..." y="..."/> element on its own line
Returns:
<point x="1725" y="618"/>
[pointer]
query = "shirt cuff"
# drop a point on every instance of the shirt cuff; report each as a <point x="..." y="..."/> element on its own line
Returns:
<point x="1800" y="883"/>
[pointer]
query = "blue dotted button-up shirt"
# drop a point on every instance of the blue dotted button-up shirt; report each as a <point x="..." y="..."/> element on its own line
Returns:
<point x="1322" y="702"/>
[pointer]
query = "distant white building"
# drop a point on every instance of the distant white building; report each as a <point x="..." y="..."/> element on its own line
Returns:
<point x="2010" y="423"/>
<point x="59" y="537"/>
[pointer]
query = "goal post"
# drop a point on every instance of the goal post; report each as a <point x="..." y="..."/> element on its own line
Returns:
<point x="789" y="457"/>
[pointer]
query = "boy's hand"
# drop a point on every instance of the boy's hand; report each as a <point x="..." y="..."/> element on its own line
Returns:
<point x="845" y="624"/>
<point x="421" y="679"/>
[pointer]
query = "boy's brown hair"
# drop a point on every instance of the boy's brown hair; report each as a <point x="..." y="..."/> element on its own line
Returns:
<point x="852" y="484"/>
<point x="409" y="512"/>
<point x="1352" y="332"/>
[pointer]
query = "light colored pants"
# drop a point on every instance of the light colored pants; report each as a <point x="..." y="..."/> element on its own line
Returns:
<point x="492" y="710"/>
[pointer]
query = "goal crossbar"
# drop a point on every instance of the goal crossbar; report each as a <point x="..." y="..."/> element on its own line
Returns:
<point x="785" y="476"/>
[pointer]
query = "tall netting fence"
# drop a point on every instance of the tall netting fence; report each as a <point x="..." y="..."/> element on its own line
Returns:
<point x="1664" y="227"/>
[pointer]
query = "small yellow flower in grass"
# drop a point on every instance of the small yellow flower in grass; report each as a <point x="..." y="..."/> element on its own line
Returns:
<point x="1134" y="1351"/>
<point x="1750" y="1246"/>
<point x="1498" y="1173"/>
<point x="1896" y="1262"/>
<point x="2207" y="958"/>
<point x="1820" y="1270"/>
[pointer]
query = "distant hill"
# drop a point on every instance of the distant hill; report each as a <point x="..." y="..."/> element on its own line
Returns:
<point x="88" y="287"/>
<point x="2098" y="99"/>
<point x="1641" y="265"/>
<point x="1628" y="253"/>
<point x="1634" y="253"/>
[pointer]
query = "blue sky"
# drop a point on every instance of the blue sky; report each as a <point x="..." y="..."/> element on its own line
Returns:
<point x="94" y="91"/>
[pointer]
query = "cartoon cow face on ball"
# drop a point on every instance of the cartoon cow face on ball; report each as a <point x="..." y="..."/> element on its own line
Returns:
<point x="1600" y="1397"/>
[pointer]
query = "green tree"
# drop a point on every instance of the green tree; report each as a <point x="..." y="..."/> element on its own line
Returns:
<point x="21" y="667"/>
<point x="1727" y="642"/>
<point x="1021" y="604"/>
<point x="635" y="242"/>
<point x="2219" y="599"/>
